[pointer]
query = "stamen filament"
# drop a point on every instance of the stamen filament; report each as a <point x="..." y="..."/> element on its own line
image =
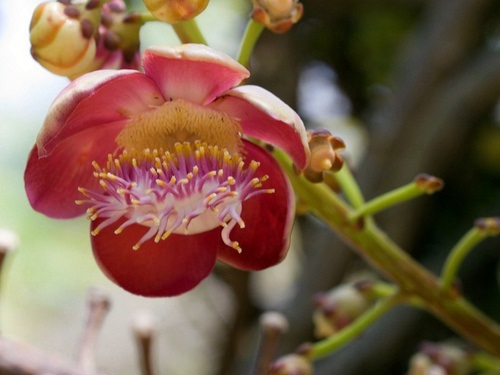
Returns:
<point x="193" y="189"/>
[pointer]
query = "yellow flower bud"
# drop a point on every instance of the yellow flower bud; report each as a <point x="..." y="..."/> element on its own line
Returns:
<point x="173" y="11"/>
<point x="61" y="40"/>
<point x="277" y="15"/>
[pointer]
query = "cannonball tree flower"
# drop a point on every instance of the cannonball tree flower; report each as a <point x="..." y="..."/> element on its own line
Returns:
<point x="162" y="164"/>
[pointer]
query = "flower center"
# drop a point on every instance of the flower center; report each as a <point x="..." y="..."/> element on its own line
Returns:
<point x="192" y="189"/>
<point x="180" y="121"/>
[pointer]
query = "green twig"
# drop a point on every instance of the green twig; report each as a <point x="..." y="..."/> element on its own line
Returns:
<point x="349" y="186"/>
<point x="382" y="290"/>
<point x="422" y="184"/>
<point x="250" y="37"/>
<point x="484" y="362"/>
<point x="147" y="17"/>
<point x="483" y="228"/>
<point x="188" y="32"/>
<point x="353" y="330"/>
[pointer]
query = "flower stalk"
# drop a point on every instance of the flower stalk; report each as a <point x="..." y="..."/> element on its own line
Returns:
<point x="423" y="184"/>
<point x="482" y="229"/>
<point x="273" y="326"/>
<point x="414" y="281"/>
<point x="485" y="362"/>
<point x="147" y="17"/>
<point x="250" y="37"/>
<point x="329" y="345"/>
<point x="189" y="32"/>
<point x="349" y="186"/>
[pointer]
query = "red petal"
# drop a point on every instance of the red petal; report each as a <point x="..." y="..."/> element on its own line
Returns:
<point x="268" y="219"/>
<point x="52" y="182"/>
<point x="264" y="116"/>
<point x="94" y="99"/>
<point x="168" y="268"/>
<point x="193" y="72"/>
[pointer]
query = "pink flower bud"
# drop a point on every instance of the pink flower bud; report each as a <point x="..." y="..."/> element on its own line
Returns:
<point x="173" y="11"/>
<point x="444" y="359"/>
<point x="338" y="308"/>
<point x="277" y="15"/>
<point x="56" y="26"/>
<point x="292" y="364"/>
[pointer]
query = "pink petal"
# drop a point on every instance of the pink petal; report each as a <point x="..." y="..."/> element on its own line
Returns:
<point x="268" y="219"/>
<point x="193" y="72"/>
<point x="168" y="268"/>
<point x="266" y="117"/>
<point x="52" y="182"/>
<point x="94" y="99"/>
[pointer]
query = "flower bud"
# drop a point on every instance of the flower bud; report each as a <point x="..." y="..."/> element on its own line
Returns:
<point x="119" y="42"/>
<point x="340" y="307"/>
<point x="63" y="36"/>
<point x="324" y="155"/>
<point x="277" y="15"/>
<point x="444" y="359"/>
<point x="173" y="11"/>
<point x="292" y="364"/>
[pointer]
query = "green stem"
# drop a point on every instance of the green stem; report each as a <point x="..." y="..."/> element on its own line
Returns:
<point x="474" y="236"/>
<point x="188" y="32"/>
<point x="457" y="255"/>
<point x="383" y="290"/>
<point x="414" y="281"/>
<point x="389" y="199"/>
<point x="250" y="37"/>
<point x="484" y="362"/>
<point x="353" y="330"/>
<point x="147" y="17"/>
<point x="349" y="186"/>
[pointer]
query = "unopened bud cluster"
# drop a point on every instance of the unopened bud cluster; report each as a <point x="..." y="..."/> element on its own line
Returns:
<point x="324" y="154"/>
<point x="429" y="184"/>
<point x="277" y="15"/>
<point x="118" y="44"/>
<point x="488" y="225"/>
<point x="444" y="359"/>
<point x="339" y="307"/>
<point x="73" y="38"/>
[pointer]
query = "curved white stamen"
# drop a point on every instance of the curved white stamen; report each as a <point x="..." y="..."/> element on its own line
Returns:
<point x="191" y="190"/>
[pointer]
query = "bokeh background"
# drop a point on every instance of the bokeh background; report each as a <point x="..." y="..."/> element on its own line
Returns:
<point x="411" y="85"/>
